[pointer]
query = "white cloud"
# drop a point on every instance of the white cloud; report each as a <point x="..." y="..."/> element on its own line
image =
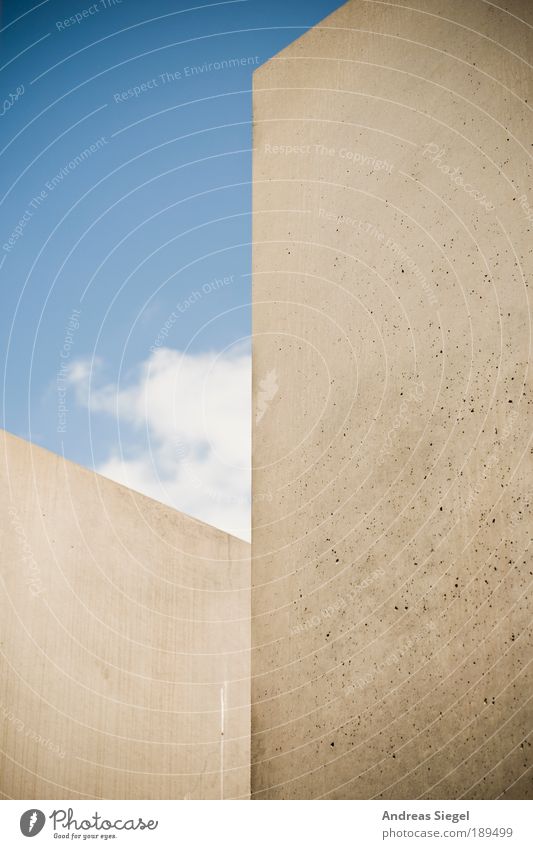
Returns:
<point x="185" y="425"/>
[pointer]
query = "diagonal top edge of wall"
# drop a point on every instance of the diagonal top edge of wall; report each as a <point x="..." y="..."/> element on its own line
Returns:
<point x="393" y="204"/>
<point x="125" y="633"/>
<point x="38" y="455"/>
<point x="337" y="18"/>
<point x="375" y="17"/>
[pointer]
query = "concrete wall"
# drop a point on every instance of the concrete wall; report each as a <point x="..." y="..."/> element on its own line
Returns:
<point x="393" y="212"/>
<point x="124" y="636"/>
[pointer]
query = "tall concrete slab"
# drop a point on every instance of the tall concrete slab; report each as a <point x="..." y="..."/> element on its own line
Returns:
<point x="124" y="638"/>
<point x="393" y="212"/>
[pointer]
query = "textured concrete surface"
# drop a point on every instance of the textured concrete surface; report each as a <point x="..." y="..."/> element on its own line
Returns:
<point x="124" y="636"/>
<point x="393" y="213"/>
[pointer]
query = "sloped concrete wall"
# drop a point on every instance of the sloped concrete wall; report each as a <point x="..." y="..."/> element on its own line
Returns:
<point x="393" y="213"/>
<point x="124" y="635"/>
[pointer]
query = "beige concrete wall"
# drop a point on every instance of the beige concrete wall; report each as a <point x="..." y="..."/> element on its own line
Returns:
<point x="393" y="211"/>
<point x="124" y="637"/>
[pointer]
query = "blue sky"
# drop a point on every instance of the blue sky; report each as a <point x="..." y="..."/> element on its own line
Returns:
<point x="125" y="218"/>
